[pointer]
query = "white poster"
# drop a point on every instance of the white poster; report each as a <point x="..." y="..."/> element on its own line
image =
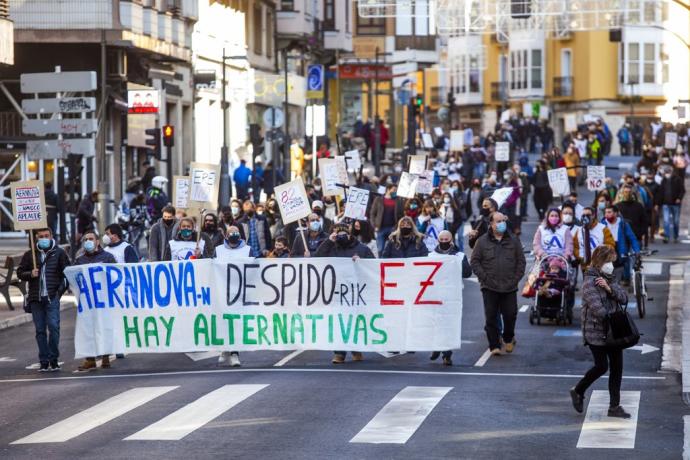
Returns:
<point x="502" y="152"/>
<point x="330" y="176"/>
<point x="596" y="177"/>
<point x="353" y="160"/>
<point x="438" y="131"/>
<point x="671" y="140"/>
<point x="427" y="141"/>
<point x="527" y="109"/>
<point x="501" y="195"/>
<point x="356" y="205"/>
<point x="292" y="201"/>
<point x="181" y="186"/>
<point x="205" y="182"/>
<point x="29" y="205"/>
<point x="247" y="304"/>
<point x="417" y="164"/>
<point x="505" y="116"/>
<point x="456" y="138"/>
<point x="184" y="250"/>
<point x="558" y="180"/>
<point x="570" y="122"/>
<point x="407" y="186"/>
<point x="425" y="182"/>
<point x="343" y="178"/>
<point x="543" y="112"/>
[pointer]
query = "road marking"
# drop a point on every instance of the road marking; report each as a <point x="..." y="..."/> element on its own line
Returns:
<point x="599" y="431"/>
<point x="483" y="358"/>
<point x="652" y="268"/>
<point x="196" y="414"/>
<point x="644" y="348"/>
<point x="397" y="421"/>
<point x="7" y="359"/>
<point x="568" y="333"/>
<point x="201" y="355"/>
<point x="95" y="416"/>
<point x="524" y="308"/>
<point x="318" y="370"/>
<point x="287" y="358"/>
<point x="686" y="437"/>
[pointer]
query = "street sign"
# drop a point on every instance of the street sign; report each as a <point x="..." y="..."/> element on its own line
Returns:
<point x="65" y="126"/>
<point x="315" y="79"/>
<point x="143" y="101"/>
<point x="403" y="96"/>
<point x="403" y="80"/>
<point x="318" y="122"/>
<point x="62" y="105"/>
<point x="273" y="118"/>
<point x="404" y="68"/>
<point x="56" y="149"/>
<point x="55" y="82"/>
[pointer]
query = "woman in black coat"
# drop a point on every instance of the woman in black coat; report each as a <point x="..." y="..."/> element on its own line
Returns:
<point x="405" y="241"/>
<point x="542" y="190"/>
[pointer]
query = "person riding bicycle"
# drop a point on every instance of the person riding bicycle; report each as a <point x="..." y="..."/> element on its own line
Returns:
<point x="626" y="242"/>
<point x="156" y="198"/>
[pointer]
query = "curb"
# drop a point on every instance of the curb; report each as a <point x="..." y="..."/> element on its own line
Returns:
<point x="685" y="313"/>
<point x="24" y="318"/>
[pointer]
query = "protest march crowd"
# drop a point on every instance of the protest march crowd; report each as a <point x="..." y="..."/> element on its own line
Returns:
<point x="444" y="201"/>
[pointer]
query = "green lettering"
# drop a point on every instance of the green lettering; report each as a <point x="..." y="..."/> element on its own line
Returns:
<point x="381" y="332"/>
<point x="345" y="332"/>
<point x="294" y="327"/>
<point x="215" y="340"/>
<point x="132" y="330"/>
<point x="360" y="325"/>
<point x="230" y="318"/>
<point x="168" y="328"/>
<point x="330" y="328"/>
<point x="280" y="326"/>
<point x="313" y="319"/>
<point x="246" y="330"/>
<point x="262" y="326"/>
<point x="150" y="329"/>
<point x="200" y="327"/>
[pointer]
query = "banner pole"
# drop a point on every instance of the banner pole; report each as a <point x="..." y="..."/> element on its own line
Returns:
<point x="201" y="220"/>
<point x="33" y="248"/>
<point x="302" y="231"/>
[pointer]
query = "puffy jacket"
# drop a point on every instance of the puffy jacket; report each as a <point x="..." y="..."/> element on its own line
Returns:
<point x="596" y="304"/>
<point x="96" y="257"/>
<point x="498" y="264"/>
<point x="52" y="264"/>
<point x="408" y="247"/>
<point x="329" y="249"/>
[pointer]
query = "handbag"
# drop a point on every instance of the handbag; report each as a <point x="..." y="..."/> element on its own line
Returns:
<point x="622" y="331"/>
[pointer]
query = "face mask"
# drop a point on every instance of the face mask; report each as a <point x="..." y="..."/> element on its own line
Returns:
<point x="446" y="200"/>
<point x="405" y="231"/>
<point x="501" y="227"/>
<point x="186" y="232"/>
<point x="444" y="245"/>
<point x="413" y="205"/>
<point x="567" y="218"/>
<point x="106" y="240"/>
<point x="259" y="213"/>
<point x="611" y="219"/>
<point x="607" y="268"/>
<point x="601" y="205"/>
<point x="356" y="231"/>
<point x="317" y="188"/>
<point x="453" y="190"/>
<point x="315" y="226"/>
<point x="317" y="211"/>
<point x="667" y="176"/>
<point x="235" y="211"/>
<point x="89" y="246"/>
<point x="249" y="213"/>
<point x="43" y="243"/>
<point x="484" y="211"/>
<point x="168" y="222"/>
<point x="233" y="238"/>
<point x="342" y="239"/>
<point x="210" y="227"/>
<point x="554" y="220"/>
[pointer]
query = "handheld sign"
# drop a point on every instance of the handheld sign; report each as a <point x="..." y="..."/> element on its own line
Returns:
<point x="205" y="182"/>
<point x="417" y="164"/>
<point x="501" y="195"/>
<point x="181" y="186"/>
<point x="292" y="201"/>
<point x="407" y="186"/>
<point x="595" y="177"/>
<point x="570" y="122"/>
<point x="427" y="141"/>
<point x="670" y="141"/>
<point x="329" y="172"/>
<point x="356" y="206"/>
<point x="558" y="180"/>
<point x="502" y="151"/>
<point x="29" y="205"/>
<point x="456" y="140"/>
<point x="353" y="161"/>
<point x="425" y="182"/>
<point x="343" y="178"/>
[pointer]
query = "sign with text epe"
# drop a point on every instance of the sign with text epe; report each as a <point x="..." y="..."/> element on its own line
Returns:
<point x="356" y="206"/>
<point x="29" y="205"/>
<point x="558" y="180"/>
<point x="205" y="182"/>
<point x="292" y="201"/>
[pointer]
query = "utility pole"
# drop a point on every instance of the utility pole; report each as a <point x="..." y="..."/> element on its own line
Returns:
<point x="286" y="144"/>
<point x="377" y="123"/>
<point x="224" y="195"/>
<point x="104" y="217"/>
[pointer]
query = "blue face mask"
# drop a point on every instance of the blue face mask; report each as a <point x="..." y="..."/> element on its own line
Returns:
<point x="501" y="227"/>
<point x="89" y="246"/>
<point x="413" y="205"/>
<point x="44" y="243"/>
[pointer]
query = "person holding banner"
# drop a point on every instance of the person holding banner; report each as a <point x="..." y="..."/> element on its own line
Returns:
<point x="44" y="269"/>
<point x="406" y="241"/>
<point x="212" y="230"/>
<point x="280" y="249"/>
<point x="313" y="235"/>
<point x="186" y="245"/>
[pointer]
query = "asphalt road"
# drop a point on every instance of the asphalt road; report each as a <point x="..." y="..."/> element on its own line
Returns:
<point x="405" y="406"/>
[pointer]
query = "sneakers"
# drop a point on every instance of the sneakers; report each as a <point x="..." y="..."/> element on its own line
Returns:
<point x="235" y="360"/>
<point x="44" y="367"/>
<point x="578" y="400"/>
<point x="54" y="366"/>
<point x="434" y="356"/>
<point x="224" y="359"/>
<point x="357" y="356"/>
<point x="447" y="361"/>
<point x="338" y="358"/>
<point x="89" y="364"/>
<point x="618" y="411"/>
<point x="510" y="346"/>
<point x="105" y="362"/>
<point x="496" y="352"/>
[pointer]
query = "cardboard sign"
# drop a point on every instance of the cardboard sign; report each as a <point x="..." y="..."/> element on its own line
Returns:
<point x="417" y="164"/>
<point x="181" y="185"/>
<point x="438" y="131"/>
<point x="292" y="201"/>
<point x="596" y="176"/>
<point x="356" y="205"/>
<point x="558" y="180"/>
<point x="501" y="195"/>
<point x="353" y="160"/>
<point x="670" y="140"/>
<point x="505" y="116"/>
<point x="570" y="122"/>
<point x="425" y="182"/>
<point x="502" y="152"/>
<point x="456" y="137"/>
<point x="527" y="109"/>
<point x="29" y="205"/>
<point x="427" y="141"/>
<point x="343" y="178"/>
<point x="205" y="182"/>
<point x="328" y="171"/>
<point x="407" y="186"/>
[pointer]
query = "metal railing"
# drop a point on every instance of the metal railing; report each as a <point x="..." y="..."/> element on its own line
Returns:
<point x="499" y="90"/>
<point x="414" y="42"/>
<point x="562" y="86"/>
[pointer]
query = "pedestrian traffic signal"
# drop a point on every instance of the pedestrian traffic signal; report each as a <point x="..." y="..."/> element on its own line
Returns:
<point x="168" y="135"/>
<point x="419" y="100"/>
<point x="154" y="141"/>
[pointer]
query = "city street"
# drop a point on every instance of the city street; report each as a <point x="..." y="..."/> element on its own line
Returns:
<point x="298" y="405"/>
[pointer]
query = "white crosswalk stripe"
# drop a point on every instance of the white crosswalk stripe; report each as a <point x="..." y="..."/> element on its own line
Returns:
<point x="95" y="416"/>
<point x="599" y="431"/>
<point x="196" y="414"/>
<point x="402" y="416"/>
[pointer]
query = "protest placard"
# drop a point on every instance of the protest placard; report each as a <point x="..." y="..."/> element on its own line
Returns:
<point x="543" y="112"/>
<point x="438" y="131"/>
<point x="356" y="205"/>
<point x="29" y="205"/>
<point x="502" y="152"/>
<point x="407" y="186"/>
<point x="670" y="140"/>
<point x="205" y="182"/>
<point x="558" y="180"/>
<point x="427" y="141"/>
<point x="292" y="201"/>
<point x="456" y="137"/>
<point x="181" y="185"/>
<point x="268" y="304"/>
<point x="527" y="109"/>
<point x="330" y="176"/>
<point x="343" y="178"/>
<point x="417" y="164"/>
<point x="353" y="160"/>
<point x="425" y="182"/>
<point x="501" y="195"/>
<point x="596" y="177"/>
<point x="570" y="122"/>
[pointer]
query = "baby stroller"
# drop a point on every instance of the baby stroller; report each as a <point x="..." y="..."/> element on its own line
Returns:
<point x="554" y="291"/>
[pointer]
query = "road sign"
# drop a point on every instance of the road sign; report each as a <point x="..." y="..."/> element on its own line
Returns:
<point x="315" y="77"/>
<point x="319" y="120"/>
<point x="65" y="126"/>
<point x="273" y="118"/>
<point x="55" y="149"/>
<point x="403" y="96"/>
<point x="62" y="105"/>
<point x="55" y="82"/>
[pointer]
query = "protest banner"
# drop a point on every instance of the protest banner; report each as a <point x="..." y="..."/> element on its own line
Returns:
<point x="596" y="176"/>
<point x="356" y="205"/>
<point x="670" y="140"/>
<point x="456" y="144"/>
<point x="184" y="250"/>
<point x="501" y="195"/>
<point x="570" y="122"/>
<point x="181" y="185"/>
<point x="502" y="152"/>
<point x="558" y="181"/>
<point x="407" y="185"/>
<point x="268" y="304"/>
<point x="204" y="185"/>
<point x="353" y="160"/>
<point x="330" y="175"/>
<point x="425" y="182"/>
<point x="427" y="141"/>
<point x="29" y="206"/>
<point x="343" y="178"/>
<point x="292" y="201"/>
<point x="417" y="164"/>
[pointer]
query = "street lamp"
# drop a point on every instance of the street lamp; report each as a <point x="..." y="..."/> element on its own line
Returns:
<point x="377" y="124"/>
<point x="286" y="143"/>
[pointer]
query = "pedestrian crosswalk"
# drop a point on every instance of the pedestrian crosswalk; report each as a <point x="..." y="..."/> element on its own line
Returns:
<point x="395" y="423"/>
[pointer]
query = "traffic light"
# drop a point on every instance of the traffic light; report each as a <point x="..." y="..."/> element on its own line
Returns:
<point x="154" y="141"/>
<point x="419" y="100"/>
<point x="451" y="99"/>
<point x="168" y="135"/>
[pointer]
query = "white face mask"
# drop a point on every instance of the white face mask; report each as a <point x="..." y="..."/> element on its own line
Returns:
<point x="567" y="218"/>
<point x="607" y="268"/>
<point x="106" y="240"/>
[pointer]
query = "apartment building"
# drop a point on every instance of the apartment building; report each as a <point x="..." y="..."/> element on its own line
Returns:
<point x="6" y="34"/>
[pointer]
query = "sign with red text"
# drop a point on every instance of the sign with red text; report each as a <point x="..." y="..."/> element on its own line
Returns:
<point x="596" y="177"/>
<point x="292" y="201"/>
<point x="28" y="205"/>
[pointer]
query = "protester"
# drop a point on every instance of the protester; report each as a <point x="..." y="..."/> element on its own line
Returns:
<point x="362" y="231"/>
<point x="203" y="247"/>
<point x="405" y="241"/>
<point x="543" y="196"/>
<point x="593" y="231"/>
<point x="86" y="218"/>
<point x="489" y="206"/>
<point x="242" y="179"/>
<point x="385" y="213"/>
<point x="212" y="230"/>
<point x="161" y="234"/>
<point x="633" y="212"/>
<point x="314" y="236"/>
<point x="552" y="237"/>
<point x="255" y="230"/>
<point x="625" y="242"/>
<point x="114" y="243"/>
<point x="156" y="198"/>
<point x="280" y="249"/>
<point x="671" y="192"/>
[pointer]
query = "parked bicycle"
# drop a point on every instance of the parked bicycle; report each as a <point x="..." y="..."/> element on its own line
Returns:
<point x="639" y="283"/>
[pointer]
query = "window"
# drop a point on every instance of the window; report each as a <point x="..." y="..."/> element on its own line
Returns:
<point x="270" y="24"/>
<point x="633" y="63"/>
<point x="649" y="11"/>
<point x="526" y="69"/>
<point x="465" y="74"/>
<point x="347" y="16"/>
<point x="328" y="14"/>
<point x="645" y="63"/>
<point x="536" y="69"/>
<point x="371" y="26"/>
<point x="649" y="54"/>
<point x="633" y="12"/>
<point x="258" y="25"/>
<point x="287" y="5"/>
<point x="646" y="11"/>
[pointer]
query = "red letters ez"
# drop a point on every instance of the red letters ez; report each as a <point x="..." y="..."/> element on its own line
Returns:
<point x="427" y="283"/>
<point x="384" y="285"/>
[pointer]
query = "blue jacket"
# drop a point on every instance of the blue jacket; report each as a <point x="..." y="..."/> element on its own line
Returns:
<point x="242" y="175"/>
<point x="626" y="240"/>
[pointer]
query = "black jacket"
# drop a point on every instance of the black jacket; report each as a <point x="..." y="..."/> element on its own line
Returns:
<point x="408" y="248"/>
<point x="466" y="268"/>
<point x="97" y="257"/>
<point x="670" y="190"/>
<point x="312" y="243"/>
<point x="636" y="215"/>
<point x="499" y="265"/>
<point x="329" y="249"/>
<point x="53" y="267"/>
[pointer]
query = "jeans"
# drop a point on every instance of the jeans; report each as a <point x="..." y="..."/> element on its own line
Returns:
<point x="497" y="306"/>
<point x="460" y="238"/>
<point x="479" y="169"/>
<point x="46" y="314"/>
<point x="605" y="358"/>
<point x="382" y="236"/>
<point x="671" y="217"/>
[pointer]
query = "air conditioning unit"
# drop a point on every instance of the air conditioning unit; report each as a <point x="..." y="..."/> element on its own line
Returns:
<point x="117" y="63"/>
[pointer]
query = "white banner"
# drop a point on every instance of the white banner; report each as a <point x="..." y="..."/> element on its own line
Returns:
<point x="268" y="304"/>
<point x="356" y="205"/>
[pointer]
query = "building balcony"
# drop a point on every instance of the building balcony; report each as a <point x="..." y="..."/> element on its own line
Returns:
<point x="562" y="86"/>
<point x="6" y="42"/>
<point x="499" y="91"/>
<point x="641" y="90"/>
<point x="65" y="14"/>
<point x="413" y="42"/>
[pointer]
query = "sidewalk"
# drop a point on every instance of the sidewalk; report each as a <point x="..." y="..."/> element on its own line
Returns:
<point x="684" y="313"/>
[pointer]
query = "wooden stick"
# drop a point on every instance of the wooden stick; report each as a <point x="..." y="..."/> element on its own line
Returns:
<point x="337" y="203"/>
<point x="33" y="248"/>
<point x="201" y="222"/>
<point x="302" y="231"/>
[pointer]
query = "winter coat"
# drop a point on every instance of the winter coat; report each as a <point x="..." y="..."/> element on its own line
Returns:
<point x="52" y="264"/>
<point x="408" y="248"/>
<point x="158" y="240"/>
<point x="377" y="211"/>
<point x="312" y="243"/>
<point x="596" y="304"/>
<point x="636" y="215"/>
<point x="498" y="264"/>
<point x="466" y="268"/>
<point x="670" y="190"/>
<point x="96" y="257"/>
<point x="354" y="248"/>
<point x="262" y="229"/>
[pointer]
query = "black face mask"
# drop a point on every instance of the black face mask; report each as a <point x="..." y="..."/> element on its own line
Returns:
<point x="249" y="213"/>
<point x="356" y="231"/>
<point x="405" y="231"/>
<point x="485" y="212"/>
<point x="444" y="246"/>
<point x="317" y="211"/>
<point x="210" y="227"/>
<point x="168" y="222"/>
<point x="342" y="240"/>
<point x="233" y="238"/>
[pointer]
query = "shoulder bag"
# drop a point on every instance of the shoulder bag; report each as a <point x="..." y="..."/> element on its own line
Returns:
<point x="622" y="331"/>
